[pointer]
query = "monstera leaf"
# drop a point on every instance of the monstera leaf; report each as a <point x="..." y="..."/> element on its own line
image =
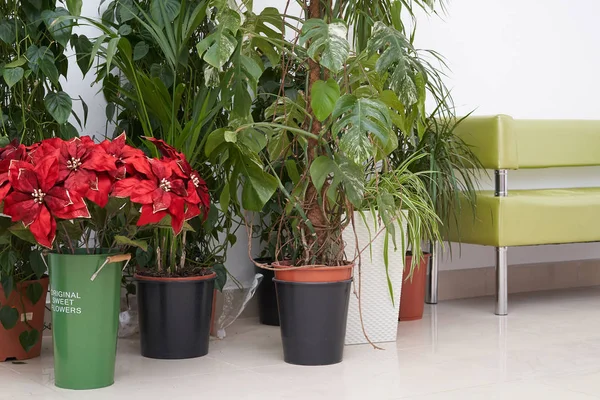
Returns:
<point x="357" y="119"/>
<point x="266" y="26"/>
<point x="342" y="171"/>
<point x="218" y="47"/>
<point x="394" y="61"/>
<point x="239" y="81"/>
<point x="328" y="44"/>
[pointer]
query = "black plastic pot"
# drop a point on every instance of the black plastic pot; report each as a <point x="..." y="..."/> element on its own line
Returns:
<point x="175" y="316"/>
<point x="313" y="320"/>
<point x="266" y="295"/>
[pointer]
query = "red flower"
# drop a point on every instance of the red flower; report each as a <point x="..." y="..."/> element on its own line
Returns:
<point x="14" y="151"/>
<point x="129" y="160"/>
<point x="37" y="199"/>
<point x="164" y="193"/>
<point x="182" y="167"/>
<point x="83" y="166"/>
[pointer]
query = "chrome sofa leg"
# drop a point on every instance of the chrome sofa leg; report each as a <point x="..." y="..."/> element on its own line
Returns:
<point x="431" y="296"/>
<point x="501" y="281"/>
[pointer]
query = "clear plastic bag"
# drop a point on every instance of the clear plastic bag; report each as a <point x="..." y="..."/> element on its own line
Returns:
<point x="128" y="318"/>
<point x="235" y="299"/>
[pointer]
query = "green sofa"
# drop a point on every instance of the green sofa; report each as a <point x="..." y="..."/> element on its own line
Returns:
<point x="506" y="218"/>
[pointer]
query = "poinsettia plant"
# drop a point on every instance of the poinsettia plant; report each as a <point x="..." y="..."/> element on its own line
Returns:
<point x="95" y="195"/>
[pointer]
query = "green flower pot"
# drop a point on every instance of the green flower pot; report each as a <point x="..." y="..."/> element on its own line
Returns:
<point x="85" y="319"/>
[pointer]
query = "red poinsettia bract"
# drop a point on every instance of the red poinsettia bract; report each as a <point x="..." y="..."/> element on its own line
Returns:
<point x="183" y="169"/>
<point x="129" y="160"/>
<point x="163" y="193"/>
<point x="37" y="198"/>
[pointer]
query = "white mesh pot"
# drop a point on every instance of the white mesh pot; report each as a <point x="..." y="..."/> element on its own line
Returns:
<point x="379" y="312"/>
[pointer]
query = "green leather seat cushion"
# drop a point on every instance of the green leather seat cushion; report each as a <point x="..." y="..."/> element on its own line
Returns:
<point x="531" y="217"/>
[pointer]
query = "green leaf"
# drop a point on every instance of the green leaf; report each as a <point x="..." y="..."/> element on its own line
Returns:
<point x="225" y="197"/>
<point x="28" y="339"/>
<point x="221" y="280"/>
<point x="125" y="30"/>
<point x="164" y="12"/>
<point x="59" y="105"/>
<point x="49" y="69"/>
<point x="267" y="25"/>
<point x="59" y="28"/>
<point x="9" y="317"/>
<point x="37" y="263"/>
<point x="111" y="50"/>
<point x="394" y="61"/>
<point x="144" y="258"/>
<point x="218" y="47"/>
<point x="214" y="140"/>
<point x="230" y="136"/>
<point x="83" y="50"/>
<point x="16" y="63"/>
<point x="357" y="119"/>
<point x="140" y="50"/>
<point x="20" y="231"/>
<point x="292" y="170"/>
<point x="125" y="241"/>
<point x="344" y="172"/>
<point x="8" y="33"/>
<point x="74" y="7"/>
<point x="323" y="97"/>
<point x="8" y="281"/>
<point x="126" y="10"/>
<point x="12" y="75"/>
<point x="239" y="82"/>
<point x="68" y="131"/>
<point x="34" y="292"/>
<point x="328" y="44"/>
<point x="258" y="187"/>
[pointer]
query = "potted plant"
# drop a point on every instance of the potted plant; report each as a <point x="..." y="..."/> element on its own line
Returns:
<point x="175" y="291"/>
<point x="32" y="47"/>
<point x="22" y="297"/>
<point x="396" y="205"/>
<point x="169" y="77"/>
<point x="448" y="169"/>
<point x="334" y="135"/>
<point x="71" y="197"/>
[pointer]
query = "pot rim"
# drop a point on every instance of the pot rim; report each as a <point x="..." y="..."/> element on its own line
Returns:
<point x="282" y="265"/>
<point x="167" y="279"/>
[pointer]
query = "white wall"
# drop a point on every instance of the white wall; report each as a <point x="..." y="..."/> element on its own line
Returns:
<point x="528" y="59"/>
<point x="77" y="85"/>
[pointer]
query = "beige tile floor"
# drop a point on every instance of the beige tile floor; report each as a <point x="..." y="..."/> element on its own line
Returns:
<point x="547" y="348"/>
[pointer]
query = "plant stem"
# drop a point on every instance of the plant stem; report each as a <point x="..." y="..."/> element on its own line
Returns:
<point x="68" y="239"/>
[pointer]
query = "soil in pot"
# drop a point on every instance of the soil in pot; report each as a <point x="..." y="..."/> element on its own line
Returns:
<point x="313" y="313"/>
<point x="412" y="299"/>
<point x="175" y="315"/>
<point x="10" y="346"/>
<point x="266" y="294"/>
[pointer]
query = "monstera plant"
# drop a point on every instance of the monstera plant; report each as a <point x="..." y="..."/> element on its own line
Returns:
<point x="359" y="101"/>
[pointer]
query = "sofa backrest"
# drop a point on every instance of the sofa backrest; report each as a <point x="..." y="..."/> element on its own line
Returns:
<point x="501" y="142"/>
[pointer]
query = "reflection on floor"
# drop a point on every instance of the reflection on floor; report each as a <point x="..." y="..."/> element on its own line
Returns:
<point x="547" y="348"/>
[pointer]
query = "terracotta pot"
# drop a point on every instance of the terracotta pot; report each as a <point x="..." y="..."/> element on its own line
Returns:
<point x="412" y="300"/>
<point x="10" y="347"/>
<point x="316" y="274"/>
